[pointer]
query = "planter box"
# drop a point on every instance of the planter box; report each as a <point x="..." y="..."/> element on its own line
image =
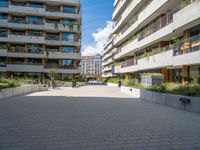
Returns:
<point x="22" y="90"/>
<point x="159" y="98"/>
<point x="170" y="100"/>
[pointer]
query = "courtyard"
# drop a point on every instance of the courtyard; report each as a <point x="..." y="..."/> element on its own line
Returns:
<point x="94" y="117"/>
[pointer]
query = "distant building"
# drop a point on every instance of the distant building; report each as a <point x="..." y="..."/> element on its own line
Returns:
<point x="108" y="59"/>
<point x="91" y="65"/>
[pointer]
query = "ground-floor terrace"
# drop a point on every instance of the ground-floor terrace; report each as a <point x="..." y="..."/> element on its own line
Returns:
<point x="181" y="74"/>
<point x="94" y="117"/>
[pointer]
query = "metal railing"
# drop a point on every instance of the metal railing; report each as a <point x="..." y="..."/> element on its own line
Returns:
<point x="162" y="22"/>
<point x="53" y="37"/>
<point x="188" y="45"/>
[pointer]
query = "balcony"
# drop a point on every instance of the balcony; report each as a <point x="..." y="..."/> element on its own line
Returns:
<point x="3" y="36"/>
<point x="118" y="54"/>
<point x="59" y="14"/>
<point x="62" y="27"/>
<point x="129" y="47"/>
<point x="118" y="7"/>
<point x="13" y="67"/>
<point x="107" y="56"/>
<point x="117" y="68"/>
<point x="189" y="16"/>
<point x="23" y="24"/>
<point x="26" y="39"/>
<point x="3" y="22"/>
<point x="3" y="52"/>
<point x="162" y="59"/>
<point x="24" y="53"/>
<point x="109" y="61"/>
<point x="77" y="2"/>
<point x="61" y="69"/>
<point x="128" y="11"/>
<point x="61" y="55"/>
<point x="188" y="52"/>
<point x="26" y="10"/>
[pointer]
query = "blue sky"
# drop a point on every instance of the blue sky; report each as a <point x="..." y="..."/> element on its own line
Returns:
<point x="96" y="13"/>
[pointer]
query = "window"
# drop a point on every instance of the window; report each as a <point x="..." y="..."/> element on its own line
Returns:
<point x="36" y="5"/>
<point x="3" y="32"/>
<point x="3" y="16"/>
<point x="68" y="49"/>
<point x="3" y="3"/>
<point x="69" y="21"/>
<point x="68" y="37"/>
<point x="35" y="33"/>
<point x="69" y="9"/>
<point x="67" y="62"/>
<point x="35" y="20"/>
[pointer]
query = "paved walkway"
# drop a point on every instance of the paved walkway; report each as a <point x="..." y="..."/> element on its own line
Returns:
<point x="94" y="118"/>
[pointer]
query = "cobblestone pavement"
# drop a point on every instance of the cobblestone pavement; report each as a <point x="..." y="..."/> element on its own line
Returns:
<point x="94" y="118"/>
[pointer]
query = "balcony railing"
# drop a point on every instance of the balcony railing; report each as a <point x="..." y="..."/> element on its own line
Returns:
<point x="187" y="46"/>
<point x="24" y="63"/>
<point x="129" y="62"/>
<point x="22" y="21"/>
<point x="25" y="50"/>
<point x="156" y="51"/>
<point x="3" y="46"/>
<point x="56" y="66"/>
<point x="162" y="22"/>
<point x="53" y="37"/>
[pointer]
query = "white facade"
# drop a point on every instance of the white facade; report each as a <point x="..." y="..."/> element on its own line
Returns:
<point x="91" y="65"/>
<point x="108" y="59"/>
<point x="158" y="35"/>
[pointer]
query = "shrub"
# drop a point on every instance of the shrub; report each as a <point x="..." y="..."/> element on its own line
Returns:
<point x="179" y="89"/>
<point x="6" y="83"/>
<point x="113" y="80"/>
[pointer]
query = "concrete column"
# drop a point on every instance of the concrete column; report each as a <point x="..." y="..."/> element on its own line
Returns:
<point x="185" y="74"/>
<point x="165" y="73"/>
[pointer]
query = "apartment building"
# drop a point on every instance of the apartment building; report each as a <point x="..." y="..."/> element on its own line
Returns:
<point x="39" y="36"/>
<point x="91" y="65"/>
<point x="157" y="36"/>
<point x="108" y="59"/>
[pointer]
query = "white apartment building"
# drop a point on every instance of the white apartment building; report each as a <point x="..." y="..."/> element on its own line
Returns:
<point x="37" y="36"/>
<point x="159" y="36"/>
<point x="91" y="65"/>
<point x="108" y="59"/>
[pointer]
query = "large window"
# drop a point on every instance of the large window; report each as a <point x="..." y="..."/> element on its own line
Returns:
<point x="35" y="20"/>
<point x="69" y="9"/>
<point x="68" y="37"/>
<point x="69" y="21"/>
<point x="3" y="16"/>
<point x="68" y="49"/>
<point x="3" y="3"/>
<point x="67" y="62"/>
<point x="36" y="5"/>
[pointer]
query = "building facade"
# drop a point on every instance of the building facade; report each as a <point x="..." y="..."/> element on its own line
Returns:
<point x="158" y="36"/>
<point x="91" y="65"/>
<point x="39" y="36"/>
<point x="108" y="59"/>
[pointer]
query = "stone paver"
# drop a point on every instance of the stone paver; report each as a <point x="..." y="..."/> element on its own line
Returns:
<point x="94" y="118"/>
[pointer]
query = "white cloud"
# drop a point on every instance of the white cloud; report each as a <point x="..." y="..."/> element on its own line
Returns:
<point x="100" y="38"/>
